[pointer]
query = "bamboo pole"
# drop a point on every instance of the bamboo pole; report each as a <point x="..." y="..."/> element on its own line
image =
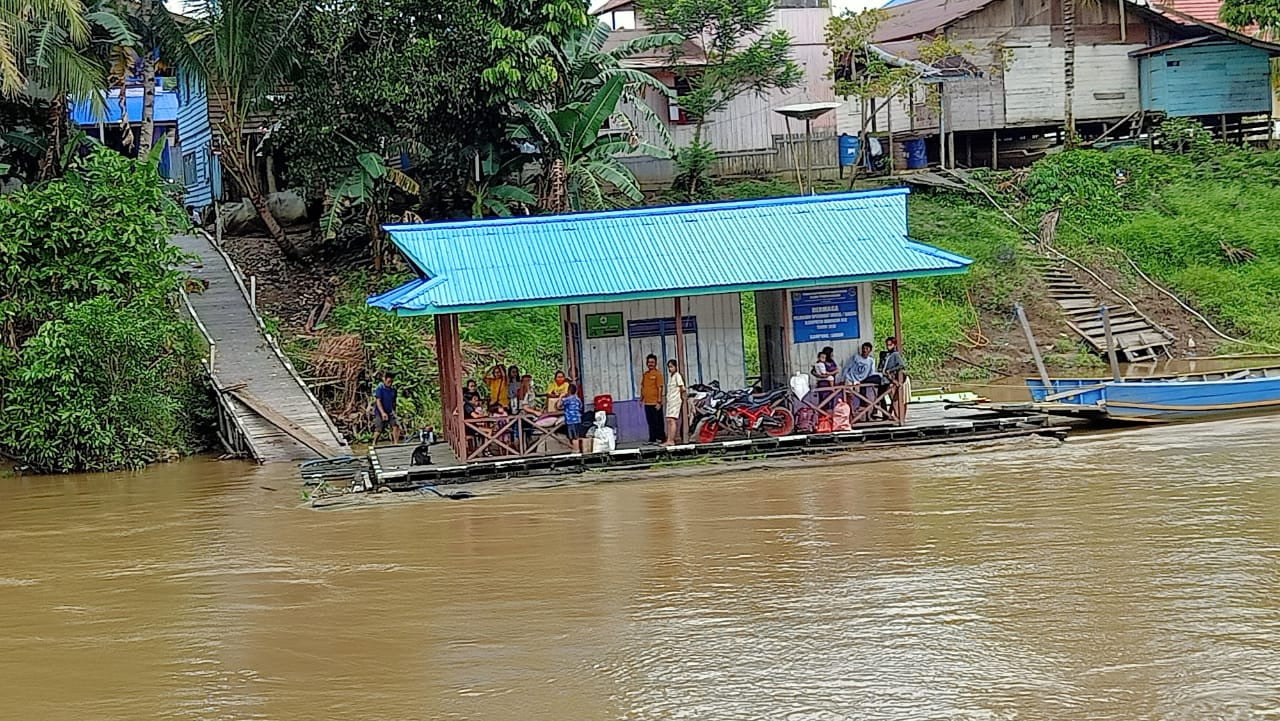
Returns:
<point x="1105" y="312"/>
<point x="1035" y="349"/>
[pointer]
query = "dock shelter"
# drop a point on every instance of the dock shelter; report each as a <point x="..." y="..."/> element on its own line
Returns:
<point x="668" y="281"/>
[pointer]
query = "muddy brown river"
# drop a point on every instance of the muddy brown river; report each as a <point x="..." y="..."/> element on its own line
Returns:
<point x="1129" y="575"/>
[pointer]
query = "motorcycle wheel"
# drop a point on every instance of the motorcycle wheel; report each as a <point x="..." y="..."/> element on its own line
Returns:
<point x="783" y="423"/>
<point x="706" y="431"/>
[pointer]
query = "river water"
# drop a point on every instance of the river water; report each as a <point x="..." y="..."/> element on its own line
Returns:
<point x="1128" y="575"/>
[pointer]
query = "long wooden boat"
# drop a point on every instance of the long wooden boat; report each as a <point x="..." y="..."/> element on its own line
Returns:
<point x="1165" y="398"/>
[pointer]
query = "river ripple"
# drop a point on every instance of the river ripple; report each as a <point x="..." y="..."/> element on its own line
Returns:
<point x="1131" y="575"/>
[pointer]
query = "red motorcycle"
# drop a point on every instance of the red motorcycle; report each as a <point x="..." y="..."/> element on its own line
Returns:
<point x="744" y="413"/>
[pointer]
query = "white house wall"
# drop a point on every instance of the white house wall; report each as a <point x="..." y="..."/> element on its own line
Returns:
<point x="749" y="123"/>
<point x="612" y="366"/>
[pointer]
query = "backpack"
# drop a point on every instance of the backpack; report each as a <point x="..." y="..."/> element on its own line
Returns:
<point x="805" y="419"/>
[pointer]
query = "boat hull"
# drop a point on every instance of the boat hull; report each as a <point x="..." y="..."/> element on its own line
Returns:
<point x="1183" y="400"/>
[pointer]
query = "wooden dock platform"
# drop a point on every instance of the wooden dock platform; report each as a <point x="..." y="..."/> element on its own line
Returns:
<point x="266" y="410"/>
<point x="933" y="423"/>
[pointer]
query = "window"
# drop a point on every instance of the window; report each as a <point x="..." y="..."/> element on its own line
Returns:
<point x="188" y="169"/>
<point x="675" y="113"/>
<point x="620" y="19"/>
<point x="1172" y="63"/>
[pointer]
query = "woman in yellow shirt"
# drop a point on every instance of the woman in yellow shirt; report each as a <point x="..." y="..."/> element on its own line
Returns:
<point x="557" y="389"/>
<point x="497" y="383"/>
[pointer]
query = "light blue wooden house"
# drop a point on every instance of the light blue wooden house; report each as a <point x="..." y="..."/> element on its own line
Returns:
<point x="1206" y="77"/>
<point x="201" y="172"/>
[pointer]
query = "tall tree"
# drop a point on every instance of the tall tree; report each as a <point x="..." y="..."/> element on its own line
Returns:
<point x="434" y="78"/>
<point x="741" y="55"/>
<point x="1263" y="14"/>
<point x="54" y="49"/>
<point x="243" y="51"/>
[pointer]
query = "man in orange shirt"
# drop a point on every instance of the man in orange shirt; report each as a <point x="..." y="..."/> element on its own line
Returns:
<point x="651" y="398"/>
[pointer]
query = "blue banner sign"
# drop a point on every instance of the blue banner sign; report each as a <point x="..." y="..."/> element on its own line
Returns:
<point x="818" y="315"/>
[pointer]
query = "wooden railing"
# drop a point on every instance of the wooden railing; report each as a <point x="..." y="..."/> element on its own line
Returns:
<point x="869" y="403"/>
<point x="509" y="436"/>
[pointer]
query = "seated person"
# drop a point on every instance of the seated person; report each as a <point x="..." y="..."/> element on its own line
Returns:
<point x="861" y="369"/>
<point x="556" y="390"/>
<point x="527" y="397"/>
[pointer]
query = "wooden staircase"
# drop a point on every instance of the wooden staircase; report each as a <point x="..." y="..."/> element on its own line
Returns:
<point x="1137" y="339"/>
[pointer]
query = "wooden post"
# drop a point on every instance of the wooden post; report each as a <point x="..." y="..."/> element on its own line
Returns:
<point x="449" y="363"/>
<point x="889" y="138"/>
<point x="1223" y="119"/>
<point x="808" y="153"/>
<point x="995" y="146"/>
<point x="1105" y="312"/>
<point x="570" y="346"/>
<point x="684" y="417"/>
<point x="1124" y="32"/>
<point x="253" y="291"/>
<point x="1035" y="349"/>
<point x="897" y="312"/>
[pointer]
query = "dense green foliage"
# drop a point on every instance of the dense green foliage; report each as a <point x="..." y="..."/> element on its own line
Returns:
<point x="1205" y="222"/>
<point x="429" y="77"/>
<point x="96" y="370"/>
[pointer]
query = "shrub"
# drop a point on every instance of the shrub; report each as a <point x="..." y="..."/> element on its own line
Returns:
<point x="97" y="372"/>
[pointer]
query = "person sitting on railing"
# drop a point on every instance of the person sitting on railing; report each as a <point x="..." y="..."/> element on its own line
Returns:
<point x="893" y="370"/>
<point x="860" y="370"/>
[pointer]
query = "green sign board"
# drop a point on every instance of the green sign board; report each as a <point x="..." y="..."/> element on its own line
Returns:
<point x="604" y="325"/>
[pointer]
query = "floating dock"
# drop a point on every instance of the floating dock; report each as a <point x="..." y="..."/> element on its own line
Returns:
<point x="390" y="467"/>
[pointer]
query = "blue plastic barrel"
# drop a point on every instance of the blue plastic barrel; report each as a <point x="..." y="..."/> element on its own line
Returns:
<point x="916" y="156"/>
<point x="848" y="149"/>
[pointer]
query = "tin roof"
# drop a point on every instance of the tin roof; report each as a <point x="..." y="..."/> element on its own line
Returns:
<point x="166" y="107"/>
<point x="919" y="17"/>
<point x="661" y="252"/>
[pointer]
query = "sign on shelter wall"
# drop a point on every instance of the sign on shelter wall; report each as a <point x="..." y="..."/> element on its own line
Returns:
<point x="822" y="315"/>
<point x="604" y="325"/>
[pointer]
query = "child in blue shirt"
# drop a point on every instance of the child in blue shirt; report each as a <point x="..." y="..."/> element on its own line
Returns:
<point x="571" y="405"/>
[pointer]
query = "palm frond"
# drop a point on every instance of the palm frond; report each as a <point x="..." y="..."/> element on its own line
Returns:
<point x="619" y="176"/>
<point x="116" y="28"/>
<point x="541" y="122"/>
<point x="596" y="112"/>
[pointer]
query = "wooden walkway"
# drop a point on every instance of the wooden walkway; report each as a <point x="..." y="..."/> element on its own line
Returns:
<point x="1136" y="337"/>
<point x="266" y="411"/>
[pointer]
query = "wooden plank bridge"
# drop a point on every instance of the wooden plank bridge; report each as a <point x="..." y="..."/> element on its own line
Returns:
<point x="265" y="410"/>
<point x="1136" y="337"/>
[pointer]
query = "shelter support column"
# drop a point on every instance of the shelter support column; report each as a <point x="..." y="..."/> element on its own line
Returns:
<point x="684" y="372"/>
<point x="897" y="312"/>
<point x="449" y="361"/>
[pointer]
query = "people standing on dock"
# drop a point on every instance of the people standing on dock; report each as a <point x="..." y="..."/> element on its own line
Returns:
<point x="675" y="401"/>
<point x="651" y="398"/>
<point x="384" y="409"/>
<point x="893" y="369"/>
<point x="513" y="389"/>
<point x="859" y="371"/>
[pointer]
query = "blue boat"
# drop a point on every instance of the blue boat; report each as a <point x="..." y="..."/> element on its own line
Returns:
<point x="1162" y="399"/>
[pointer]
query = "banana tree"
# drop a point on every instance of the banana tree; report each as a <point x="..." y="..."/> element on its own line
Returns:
<point x="368" y="184"/>
<point x="580" y="166"/>
<point x="491" y="192"/>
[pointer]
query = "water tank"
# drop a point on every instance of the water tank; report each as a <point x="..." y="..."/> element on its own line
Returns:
<point x="916" y="156"/>
<point x="848" y="149"/>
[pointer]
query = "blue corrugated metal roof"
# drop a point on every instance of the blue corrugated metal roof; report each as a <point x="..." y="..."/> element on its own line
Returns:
<point x="166" y="108"/>
<point x="658" y="252"/>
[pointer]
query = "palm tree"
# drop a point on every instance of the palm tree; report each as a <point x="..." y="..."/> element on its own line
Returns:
<point x="59" y="43"/>
<point x="242" y="51"/>
<point x="148" y="20"/>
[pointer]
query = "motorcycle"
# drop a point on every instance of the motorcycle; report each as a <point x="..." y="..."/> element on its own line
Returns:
<point x="740" y="412"/>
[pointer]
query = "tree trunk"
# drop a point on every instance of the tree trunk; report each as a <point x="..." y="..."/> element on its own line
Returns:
<point x="1069" y="70"/>
<point x="50" y="165"/>
<point x="148" y="105"/>
<point x="287" y="247"/>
